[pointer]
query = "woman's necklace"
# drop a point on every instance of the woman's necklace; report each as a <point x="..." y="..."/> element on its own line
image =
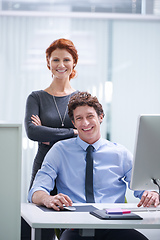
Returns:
<point x="62" y="120"/>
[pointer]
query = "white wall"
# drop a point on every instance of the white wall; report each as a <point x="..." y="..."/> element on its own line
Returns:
<point x="136" y="84"/>
<point x="136" y="71"/>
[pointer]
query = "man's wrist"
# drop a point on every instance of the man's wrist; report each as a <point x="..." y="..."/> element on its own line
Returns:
<point x="40" y="197"/>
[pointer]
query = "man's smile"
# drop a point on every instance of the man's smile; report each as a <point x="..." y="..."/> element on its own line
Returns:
<point x="87" y="129"/>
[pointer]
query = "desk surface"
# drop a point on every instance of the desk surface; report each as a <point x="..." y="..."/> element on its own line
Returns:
<point x="37" y="218"/>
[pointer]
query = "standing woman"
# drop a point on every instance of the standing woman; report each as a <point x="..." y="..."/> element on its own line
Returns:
<point x="46" y="118"/>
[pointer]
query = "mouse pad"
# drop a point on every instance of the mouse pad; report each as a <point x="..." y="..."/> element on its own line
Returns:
<point x="87" y="208"/>
<point x="103" y="215"/>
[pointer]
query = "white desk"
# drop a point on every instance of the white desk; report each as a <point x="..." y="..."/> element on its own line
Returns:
<point x="38" y="219"/>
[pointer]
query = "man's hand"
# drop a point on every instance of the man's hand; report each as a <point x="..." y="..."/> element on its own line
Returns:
<point x="149" y="198"/>
<point x="56" y="202"/>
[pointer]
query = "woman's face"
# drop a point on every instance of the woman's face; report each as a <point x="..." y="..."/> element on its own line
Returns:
<point x="61" y="63"/>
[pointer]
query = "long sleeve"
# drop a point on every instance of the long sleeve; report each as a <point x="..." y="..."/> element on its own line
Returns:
<point x="41" y="103"/>
<point x="112" y="169"/>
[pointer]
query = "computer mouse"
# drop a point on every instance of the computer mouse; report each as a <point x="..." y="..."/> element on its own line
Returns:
<point x="69" y="208"/>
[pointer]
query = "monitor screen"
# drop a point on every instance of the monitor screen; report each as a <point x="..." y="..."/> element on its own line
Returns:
<point x="146" y="156"/>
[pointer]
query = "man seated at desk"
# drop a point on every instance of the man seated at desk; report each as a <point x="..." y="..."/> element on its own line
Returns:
<point x="66" y="162"/>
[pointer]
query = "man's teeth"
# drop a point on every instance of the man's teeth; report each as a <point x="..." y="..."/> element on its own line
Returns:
<point x="87" y="129"/>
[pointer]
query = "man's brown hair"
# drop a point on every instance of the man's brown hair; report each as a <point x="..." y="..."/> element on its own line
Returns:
<point x="83" y="99"/>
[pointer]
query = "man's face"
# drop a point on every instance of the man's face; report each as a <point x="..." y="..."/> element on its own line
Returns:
<point x="87" y="123"/>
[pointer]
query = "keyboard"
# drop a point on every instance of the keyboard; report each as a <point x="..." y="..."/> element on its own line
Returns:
<point x="144" y="209"/>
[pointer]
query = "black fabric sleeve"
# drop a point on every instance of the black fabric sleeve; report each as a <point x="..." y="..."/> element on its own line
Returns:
<point x="42" y="133"/>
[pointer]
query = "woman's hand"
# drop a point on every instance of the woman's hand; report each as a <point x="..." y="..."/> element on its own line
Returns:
<point x="75" y="132"/>
<point x="36" y="120"/>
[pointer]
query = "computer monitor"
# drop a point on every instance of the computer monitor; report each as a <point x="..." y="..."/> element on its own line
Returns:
<point x="146" y="156"/>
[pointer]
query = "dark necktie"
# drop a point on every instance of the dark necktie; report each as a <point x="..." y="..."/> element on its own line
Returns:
<point x="89" y="175"/>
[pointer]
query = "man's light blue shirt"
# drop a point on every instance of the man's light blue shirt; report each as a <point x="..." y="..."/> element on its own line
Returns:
<point x="66" y="162"/>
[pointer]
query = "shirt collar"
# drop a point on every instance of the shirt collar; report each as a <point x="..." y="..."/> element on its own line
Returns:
<point x="84" y="145"/>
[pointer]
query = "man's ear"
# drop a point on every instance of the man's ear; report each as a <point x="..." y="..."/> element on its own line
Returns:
<point x="73" y="123"/>
<point x="101" y="118"/>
